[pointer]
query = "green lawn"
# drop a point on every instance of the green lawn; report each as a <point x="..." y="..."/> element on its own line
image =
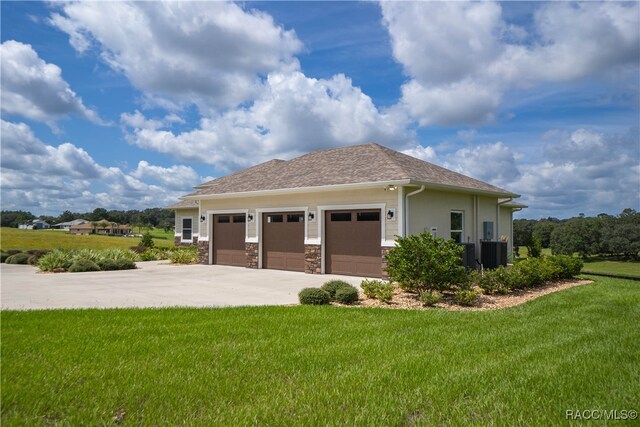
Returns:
<point x="576" y="349"/>
<point x="598" y="264"/>
<point x="628" y="268"/>
<point x="13" y="238"/>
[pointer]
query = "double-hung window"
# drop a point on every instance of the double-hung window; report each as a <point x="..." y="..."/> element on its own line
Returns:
<point x="187" y="228"/>
<point x="457" y="226"/>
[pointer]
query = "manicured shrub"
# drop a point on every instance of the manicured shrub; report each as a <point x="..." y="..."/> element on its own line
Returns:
<point x="119" y="254"/>
<point x="82" y="265"/>
<point x="467" y="297"/>
<point x="567" y="266"/>
<point x="370" y="287"/>
<point x="185" y="255"/>
<point x="90" y="254"/>
<point x="147" y="256"/>
<point x="385" y="293"/>
<point x="314" y="296"/>
<point x="116" y="264"/>
<point x="38" y="252"/>
<point x="33" y="260"/>
<point x="377" y="289"/>
<point x="421" y="262"/>
<point x="14" y="251"/>
<point x="429" y="299"/>
<point x="346" y="295"/>
<point x="18" y="259"/>
<point x="57" y="259"/>
<point x="498" y="281"/>
<point x="4" y="256"/>
<point x="146" y="241"/>
<point x="332" y="286"/>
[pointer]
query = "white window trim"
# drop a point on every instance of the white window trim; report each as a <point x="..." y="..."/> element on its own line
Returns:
<point x="182" y="218"/>
<point x="451" y="230"/>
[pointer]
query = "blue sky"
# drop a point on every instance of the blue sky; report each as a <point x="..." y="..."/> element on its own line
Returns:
<point x="128" y="105"/>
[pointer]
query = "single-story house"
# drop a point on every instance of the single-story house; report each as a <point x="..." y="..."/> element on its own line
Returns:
<point x="36" y="224"/>
<point x="68" y="224"/>
<point x="103" y="227"/>
<point x="338" y="211"/>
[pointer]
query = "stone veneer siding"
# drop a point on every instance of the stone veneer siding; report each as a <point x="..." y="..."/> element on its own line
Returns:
<point x="385" y="251"/>
<point x="312" y="259"/>
<point x="203" y="252"/>
<point x="251" y="252"/>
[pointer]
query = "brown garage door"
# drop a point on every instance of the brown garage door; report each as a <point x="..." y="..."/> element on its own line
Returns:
<point x="283" y="241"/>
<point x="228" y="239"/>
<point x="353" y="243"/>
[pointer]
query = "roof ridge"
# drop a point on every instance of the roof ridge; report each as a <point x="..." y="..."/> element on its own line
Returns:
<point x="388" y="154"/>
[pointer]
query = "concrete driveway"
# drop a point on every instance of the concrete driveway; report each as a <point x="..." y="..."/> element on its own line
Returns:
<point x="154" y="284"/>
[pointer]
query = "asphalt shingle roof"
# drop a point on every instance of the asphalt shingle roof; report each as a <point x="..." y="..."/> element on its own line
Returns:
<point x="345" y="165"/>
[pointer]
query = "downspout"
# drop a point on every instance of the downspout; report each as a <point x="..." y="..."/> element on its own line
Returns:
<point x="406" y="207"/>
<point x="498" y="215"/>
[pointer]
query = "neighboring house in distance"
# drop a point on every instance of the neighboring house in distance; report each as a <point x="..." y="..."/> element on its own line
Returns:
<point x="36" y="224"/>
<point x="338" y="211"/>
<point x="69" y="224"/>
<point x="100" y="227"/>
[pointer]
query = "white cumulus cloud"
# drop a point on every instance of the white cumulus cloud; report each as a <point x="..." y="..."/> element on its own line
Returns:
<point x="210" y="53"/>
<point x="463" y="57"/>
<point x="35" y="89"/>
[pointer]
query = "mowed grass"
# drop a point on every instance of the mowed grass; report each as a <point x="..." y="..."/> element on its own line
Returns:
<point x="13" y="238"/>
<point x="573" y="350"/>
<point x="628" y="268"/>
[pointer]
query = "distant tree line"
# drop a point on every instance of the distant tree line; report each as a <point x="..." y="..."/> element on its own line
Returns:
<point x="153" y="217"/>
<point x="604" y="234"/>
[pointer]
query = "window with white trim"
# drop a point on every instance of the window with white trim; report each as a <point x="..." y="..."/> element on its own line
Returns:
<point x="187" y="228"/>
<point x="457" y="226"/>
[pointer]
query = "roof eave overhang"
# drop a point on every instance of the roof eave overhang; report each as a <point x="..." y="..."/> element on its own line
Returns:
<point x="284" y="191"/>
<point x="346" y="187"/>
<point x="458" y="189"/>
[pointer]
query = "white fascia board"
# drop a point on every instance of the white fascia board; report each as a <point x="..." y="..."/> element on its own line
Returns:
<point x="457" y="189"/>
<point x="285" y="191"/>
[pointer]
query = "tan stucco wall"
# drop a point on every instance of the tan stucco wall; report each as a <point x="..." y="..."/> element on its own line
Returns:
<point x="433" y="209"/>
<point x="506" y="227"/>
<point x="193" y="213"/>
<point x="309" y="201"/>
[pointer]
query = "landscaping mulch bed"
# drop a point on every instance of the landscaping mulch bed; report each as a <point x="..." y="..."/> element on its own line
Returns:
<point x="406" y="300"/>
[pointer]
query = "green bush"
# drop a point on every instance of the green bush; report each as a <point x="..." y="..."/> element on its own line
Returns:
<point x="467" y="297"/>
<point x="116" y="264"/>
<point x="146" y="241"/>
<point x="119" y="254"/>
<point x="4" y="256"/>
<point x="18" y="259"/>
<point x="90" y="254"/>
<point x="56" y="259"/>
<point x="148" y="256"/>
<point x="430" y="298"/>
<point x="33" y="260"/>
<point x="498" y="281"/>
<point x="377" y="289"/>
<point x="567" y="266"/>
<point x="314" y="296"/>
<point x="14" y="251"/>
<point x="332" y="286"/>
<point x="421" y="262"/>
<point x="82" y="265"/>
<point x="346" y="295"/>
<point x="184" y="255"/>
